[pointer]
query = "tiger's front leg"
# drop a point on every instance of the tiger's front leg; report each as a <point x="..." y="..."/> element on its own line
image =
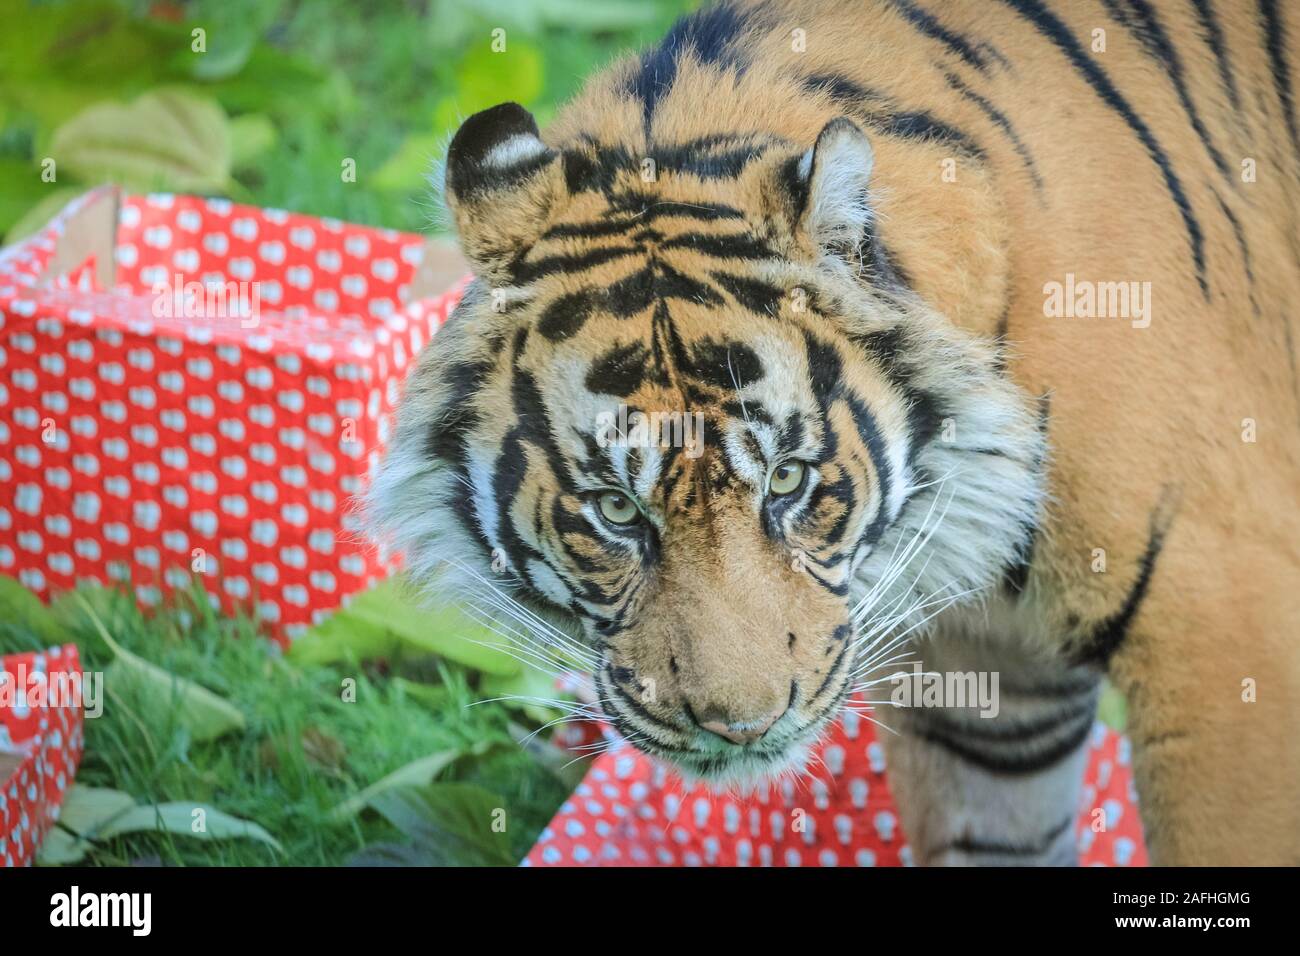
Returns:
<point x="997" y="785"/>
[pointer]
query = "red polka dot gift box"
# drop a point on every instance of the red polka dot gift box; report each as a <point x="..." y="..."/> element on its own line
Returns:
<point x="41" y="722"/>
<point x="630" y="810"/>
<point x="189" y="386"/>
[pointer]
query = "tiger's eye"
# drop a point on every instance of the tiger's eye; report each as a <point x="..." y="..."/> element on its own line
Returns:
<point x="787" y="478"/>
<point x="618" y="508"/>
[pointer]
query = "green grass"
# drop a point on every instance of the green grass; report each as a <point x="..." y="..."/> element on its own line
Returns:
<point x="1112" y="710"/>
<point x="303" y="750"/>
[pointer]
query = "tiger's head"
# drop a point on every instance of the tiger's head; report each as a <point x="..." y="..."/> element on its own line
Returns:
<point x="690" y="428"/>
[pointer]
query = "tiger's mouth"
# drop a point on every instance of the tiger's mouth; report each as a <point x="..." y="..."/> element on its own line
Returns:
<point x="700" y="755"/>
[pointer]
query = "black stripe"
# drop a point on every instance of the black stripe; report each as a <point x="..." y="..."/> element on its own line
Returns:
<point x="1213" y="35"/>
<point x="593" y="168"/>
<point x="671" y="284"/>
<point x="1145" y="25"/>
<point x="929" y="25"/>
<point x="708" y="34"/>
<point x="889" y="348"/>
<point x="511" y="464"/>
<point x="888" y="118"/>
<point x="826" y="373"/>
<point x="620" y="371"/>
<point x="1016" y="576"/>
<point x="638" y="210"/>
<point x="448" y="440"/>
<point x="627" y="727"/>
<point x="721" y="156"/>
<point x="731" y="246"/>
<point x="831" y="672"/>
<point x="839" y="590"/>
<point x="637" y="708"/>
<point x="921" y="126"/>
<point x="525" y="272"/>
<point x="593" y="230"/>
<point x="1000" y="120"/>
<point x="449" y="434"/>
<point x="843" y="90"/>
<point x="1242" y="246"/>
<point x="724" y="365"/>
<point x="1074" y="683"/>
<point x="752" y="294"/>
<point x="1275" y="40"/>
<point x="1003" y="731"/>
<point x="1107" y="636"/>
<point x="652" y="207"/>
<point x="869" y="432"/>
<point x="1037" y="847"/>
<point x="1054" y="30"/>
<point x="1013" y="764"/>
<point x="568" y="525"/>
<point x="834" y="493"/>
<point x="566" y="315"/>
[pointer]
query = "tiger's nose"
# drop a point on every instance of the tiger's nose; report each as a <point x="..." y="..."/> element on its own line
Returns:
<point x="742" y="732"/>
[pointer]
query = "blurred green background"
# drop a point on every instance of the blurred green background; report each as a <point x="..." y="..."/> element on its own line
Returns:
<point x="266" y="101"/>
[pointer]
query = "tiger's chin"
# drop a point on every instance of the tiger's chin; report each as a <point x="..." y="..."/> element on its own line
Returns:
<point x="744" y="770"/>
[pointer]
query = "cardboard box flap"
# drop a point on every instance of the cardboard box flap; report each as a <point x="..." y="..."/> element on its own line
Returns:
<point x="441" y="267"/>
<point x="89" y="229"/>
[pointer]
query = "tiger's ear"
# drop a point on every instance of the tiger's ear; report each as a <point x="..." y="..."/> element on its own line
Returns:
<point x="827" y="187"/>
<point x="502" y="183"/>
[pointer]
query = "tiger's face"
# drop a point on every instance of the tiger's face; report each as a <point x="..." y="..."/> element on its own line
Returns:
<point x="672" y="431"/>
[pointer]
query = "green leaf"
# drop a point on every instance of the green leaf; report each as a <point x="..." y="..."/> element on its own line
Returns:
<point x="204" y="714"/>
<point x="86" y="809"/>
<point x="61" y="848"/>
<point x="167" y="139"/>
<point x="89" y="814"/>
<point x="341" y="638"/>
<point x="446" y="824"/>
<point x="20" y="607"/>
<point x="387" y="617"/>
<point x="251" y="135"/>
<point x="179" y="818"/>
<point x="416" y="773"/>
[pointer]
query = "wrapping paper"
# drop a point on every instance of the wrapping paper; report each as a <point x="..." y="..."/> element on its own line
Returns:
<point x="202" y="392"/>
<point x="631" y="811"/>
<point x="46" y="738"/>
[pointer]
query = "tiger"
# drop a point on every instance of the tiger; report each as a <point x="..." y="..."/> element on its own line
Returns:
<point x="981" y="320"/>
